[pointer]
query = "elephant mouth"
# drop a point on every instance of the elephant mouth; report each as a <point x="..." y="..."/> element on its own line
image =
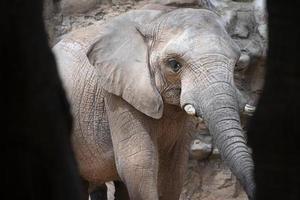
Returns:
<point x="171" y="95"/>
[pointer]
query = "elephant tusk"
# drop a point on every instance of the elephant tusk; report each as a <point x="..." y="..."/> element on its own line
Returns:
<point x="189" y="109"/>
<point x="249" y="110"/>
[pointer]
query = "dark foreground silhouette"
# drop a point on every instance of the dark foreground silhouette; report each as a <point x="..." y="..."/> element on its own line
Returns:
<point x="35" y="123"/>
<point x="274" y="131"/>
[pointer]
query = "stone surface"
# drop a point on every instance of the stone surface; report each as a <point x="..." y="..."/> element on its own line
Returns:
<point x="62" y="18"/>
<point x="200" y="150"/>
<point x="210" y="180"/>
<point x="77" y="6"/>
<point x="206" y="180"/>
<point x="176" y="2"/>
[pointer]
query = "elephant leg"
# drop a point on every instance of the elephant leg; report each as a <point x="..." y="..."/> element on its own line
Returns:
<point x="135" y="149"/>
<point x="172" y="169"/>
<point x="100" y="193"/>
<point x="121" y="192"/>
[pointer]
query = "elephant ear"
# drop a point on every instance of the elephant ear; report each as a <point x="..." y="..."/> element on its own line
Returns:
<point x="120" y="57"/>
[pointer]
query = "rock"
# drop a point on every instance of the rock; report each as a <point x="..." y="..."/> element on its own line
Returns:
<point x="176" y="2"/>
<point x="211" y="180"/>
<point x="254" y="48"/>
<point x="263" y="30"/>
<point x="200" y="150"/>
<point x="208" y="4"/>
<point x="260" y="12"/>
<point x="241" y="30"/>
<point x="52" y="18"/>
<point x="77" y="6"/>
<point x="244" y="24"/>
<point x="99" y="15"/>
<point x="229" y="17"/>
<point x="243" y="62"/>
<point x="122" y="2"/>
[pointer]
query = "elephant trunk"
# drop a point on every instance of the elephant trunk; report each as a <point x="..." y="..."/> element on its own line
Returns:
<point x="217" y="105"/>
<point x="220" y="113"/>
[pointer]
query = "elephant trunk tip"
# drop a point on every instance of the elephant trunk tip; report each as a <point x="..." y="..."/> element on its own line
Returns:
<point x="248" y="183"/>
<point x="251" y="191"/>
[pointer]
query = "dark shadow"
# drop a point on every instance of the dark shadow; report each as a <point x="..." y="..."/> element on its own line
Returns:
<point x="274" y="130"/>
<point x="36" y="122"/>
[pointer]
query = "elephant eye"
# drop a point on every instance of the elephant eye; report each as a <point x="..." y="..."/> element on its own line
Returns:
<point x="175" y="66"/>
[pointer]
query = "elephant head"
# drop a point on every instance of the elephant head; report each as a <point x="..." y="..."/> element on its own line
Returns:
<point x="183" y="57"/>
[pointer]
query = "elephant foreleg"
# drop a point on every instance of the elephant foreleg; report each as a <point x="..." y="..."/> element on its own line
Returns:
<point x="135" y="150"/>
<point x="172" y="169"/>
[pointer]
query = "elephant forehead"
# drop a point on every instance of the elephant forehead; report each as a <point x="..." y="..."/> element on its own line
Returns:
<point x="193" y="43"/>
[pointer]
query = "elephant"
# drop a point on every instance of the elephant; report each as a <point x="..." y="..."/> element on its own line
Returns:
<point x="136" y="82"/>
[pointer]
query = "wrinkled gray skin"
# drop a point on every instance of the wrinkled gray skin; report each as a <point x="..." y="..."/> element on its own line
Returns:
<point x="127" y="102"/>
